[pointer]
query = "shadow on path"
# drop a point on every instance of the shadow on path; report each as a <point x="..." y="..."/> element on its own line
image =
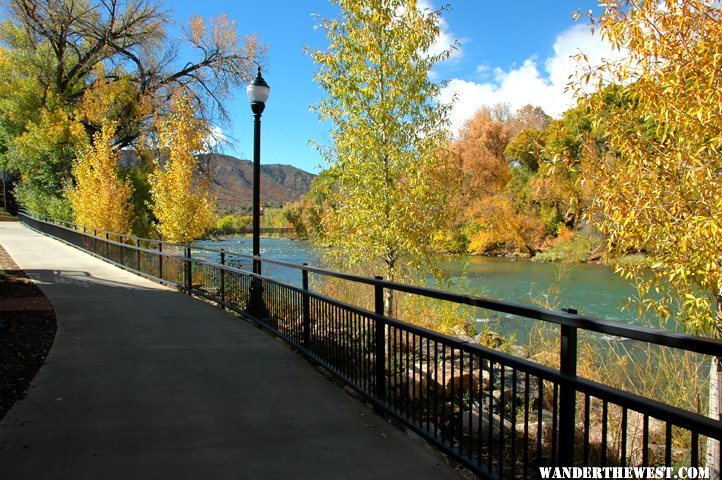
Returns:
<point x="145" y="382"/>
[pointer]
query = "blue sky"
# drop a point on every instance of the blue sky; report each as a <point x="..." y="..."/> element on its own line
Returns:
<point x="510" y="51"/>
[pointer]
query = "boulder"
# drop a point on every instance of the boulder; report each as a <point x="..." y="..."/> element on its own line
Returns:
<point x="422" y="378"/>
<point x="503" y="397"/>
<point x="481" y="419"/>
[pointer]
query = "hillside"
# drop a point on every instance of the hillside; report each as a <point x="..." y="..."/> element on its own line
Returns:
<point x="233" y="181"/>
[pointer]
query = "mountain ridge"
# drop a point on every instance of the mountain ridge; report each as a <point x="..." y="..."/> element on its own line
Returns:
<point x="233" y="180"/>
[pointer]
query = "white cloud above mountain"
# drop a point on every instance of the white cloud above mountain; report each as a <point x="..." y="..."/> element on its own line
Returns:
<point x="215" y="139"/>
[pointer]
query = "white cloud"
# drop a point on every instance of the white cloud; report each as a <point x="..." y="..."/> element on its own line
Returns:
<point x="446" y="39"/>
<point x="544" y="85"/>
<point x="215" y="138"/>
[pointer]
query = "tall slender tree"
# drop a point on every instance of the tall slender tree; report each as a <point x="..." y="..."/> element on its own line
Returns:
<point x="100" y="199"/>
<point x="387" y="134"/>
<point x="182" y="201"/>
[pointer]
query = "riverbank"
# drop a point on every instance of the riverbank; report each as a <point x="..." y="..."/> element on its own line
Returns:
<point x="580" y="248"/>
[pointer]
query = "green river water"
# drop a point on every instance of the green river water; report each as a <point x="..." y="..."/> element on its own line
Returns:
<point x="593" y="290"/>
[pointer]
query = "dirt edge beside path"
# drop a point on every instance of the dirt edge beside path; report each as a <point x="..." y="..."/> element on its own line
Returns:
<point x="27" y="331"/>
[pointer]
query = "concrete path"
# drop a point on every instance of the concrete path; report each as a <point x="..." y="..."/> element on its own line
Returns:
<point x="147" y="383"/>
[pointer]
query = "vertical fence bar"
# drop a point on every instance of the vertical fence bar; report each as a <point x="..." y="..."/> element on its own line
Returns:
<point x="567" y="393"/>
<point x="223" y="280"/>
<point x="306" y="309"/>
<point x="107" y="245"/>
<point x="137" y="245"/>
<point x="380" y="344"/>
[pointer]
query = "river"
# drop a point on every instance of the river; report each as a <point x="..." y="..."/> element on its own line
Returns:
<point x="593" y="290"/>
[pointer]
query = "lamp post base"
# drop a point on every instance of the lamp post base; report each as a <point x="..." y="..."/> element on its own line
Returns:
<point x="257" y="307"/>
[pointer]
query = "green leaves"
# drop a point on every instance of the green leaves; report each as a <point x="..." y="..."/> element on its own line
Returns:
<point x="386" y="158"/>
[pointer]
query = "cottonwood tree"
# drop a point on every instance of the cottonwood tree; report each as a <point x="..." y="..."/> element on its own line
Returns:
<point x="100" y="199"/>
<point x="497" y="209"/>
<point x="660" y="190"/>
<point x="181" y="198"/>
<point x="59" y="55"/>
<point x="387" y="134"/>
<point x="529" y="117"/>
<point x="481" y="144"/>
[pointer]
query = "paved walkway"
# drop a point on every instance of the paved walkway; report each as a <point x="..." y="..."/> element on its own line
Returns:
<point x="146" y="383"/>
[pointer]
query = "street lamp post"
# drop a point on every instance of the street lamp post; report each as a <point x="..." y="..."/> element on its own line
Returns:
<point x="257" y="91"/>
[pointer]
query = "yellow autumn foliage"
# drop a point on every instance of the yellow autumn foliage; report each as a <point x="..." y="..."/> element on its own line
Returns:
<point x="659" y="190"/>
<point x="501" y="223"/>
<point x="108" y="98"/>
<point x="100" y="199"/>
<point x="182" y="202"/>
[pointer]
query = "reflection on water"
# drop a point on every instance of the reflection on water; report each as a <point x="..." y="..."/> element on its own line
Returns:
<point x="593" y="290"/>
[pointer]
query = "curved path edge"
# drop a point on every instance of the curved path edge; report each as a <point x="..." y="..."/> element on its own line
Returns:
<point x="145" y="382"/>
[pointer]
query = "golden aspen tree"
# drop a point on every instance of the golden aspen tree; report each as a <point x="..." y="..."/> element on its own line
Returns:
<point x="660" y="189"/>
<point x="181" y="199"/>
<point x="100" y="199"/>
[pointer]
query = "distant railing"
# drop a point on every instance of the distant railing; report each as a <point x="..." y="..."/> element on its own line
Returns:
<point x="249" y="230"/>
<point x="502" y="416"/>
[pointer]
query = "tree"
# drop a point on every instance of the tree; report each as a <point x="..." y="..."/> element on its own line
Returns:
<point x="59" y="60"/>
<point x="527" y="148"/>
<point x="529" y="117"/>
<point x="100" y="199"/>
<point x="306" y="214"/>
<point x="387" y="134"/>
<point x="182" y="202"/>
<point x="481" y="146"/>
<point x="494" y="187"/>
<point x="660" y="190"/>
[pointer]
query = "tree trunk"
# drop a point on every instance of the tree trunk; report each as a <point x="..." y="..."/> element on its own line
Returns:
<point x="715" y="405"/>
<point x="388" y="302"/>
<point x="715" y="401"/>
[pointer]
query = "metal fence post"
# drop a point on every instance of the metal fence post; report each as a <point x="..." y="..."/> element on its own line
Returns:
<point x="160" y="259"/>
<point x="107" y="246"/>
<point x="188" y="270"/>
<point x="306" y="309"/>
<point x="223" y="280"/>
<point x="567" y="392"/>
<point x="137" y="245"/>
<point x="380" y="343"/>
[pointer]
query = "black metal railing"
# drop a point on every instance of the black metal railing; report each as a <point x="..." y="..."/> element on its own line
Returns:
<point x="501" y="415"/>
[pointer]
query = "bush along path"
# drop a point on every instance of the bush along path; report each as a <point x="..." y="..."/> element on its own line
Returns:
<point x="27" y="331"/>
